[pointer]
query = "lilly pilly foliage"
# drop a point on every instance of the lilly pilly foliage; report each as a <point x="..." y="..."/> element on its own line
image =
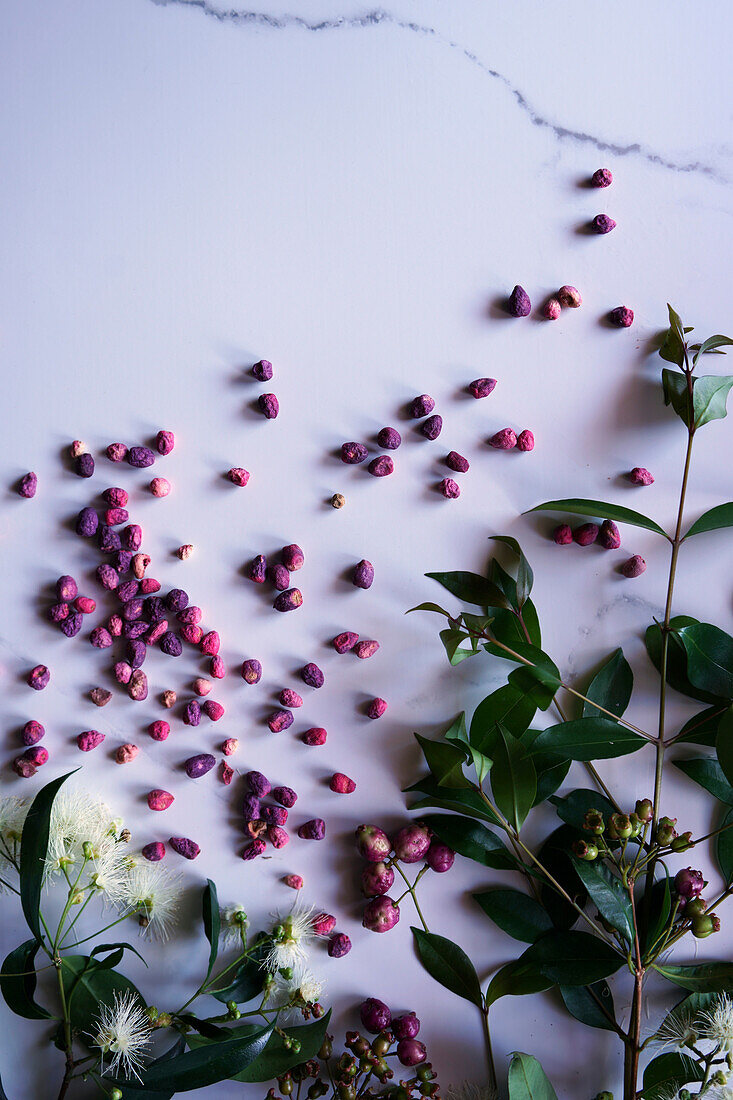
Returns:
<point x="596" y="907"/>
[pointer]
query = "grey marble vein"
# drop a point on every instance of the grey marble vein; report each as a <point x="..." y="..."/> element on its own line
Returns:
<point x="377" y="17"/>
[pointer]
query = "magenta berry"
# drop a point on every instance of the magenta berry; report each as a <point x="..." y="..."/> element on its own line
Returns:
<point x="38" y="677"/>
<point x="33" y="732"/>
<point x="621" y="317"/>
<point x="376" y="708"/>
<point x="363" y="575"/>
<point x="140" y="457"/>
<point x="159" y="729"/>
<point x="563" y="534"/>
<point x="375" y="1015"/>
<point x="154" y="851"/>
<point x="315" y="736"/>
<point x="125" y="754"/>
<point x="366" y="648"/>
<point x="440" y="857"/>
<point x="323" y="924"/>
<point x="315" y="829"/>
<point x="210" y="643"/>
<point x="66" y="589"/>
<point x="382" y="466"/>
<point x="432" y="427"/>
<point x="258" y="784"/>
<point x="376" y="879"/>
<point x="450" y="488"/>
<point x="159" y="800"/>
<point x="199" y="765"/>
<point x="114" y="516"/>
<point x="292" y="557"/>
<point x="372" y="843"/>
<point x="353" y="453"/>
<point x="262" y="371"/>
<point x="312" y="675"/>
<point x="274" y="815"/>
<point x="421" y="406"/>
<point x="164" y="442"/>
<point x="504" y="440"/>
<point x="217" y="668"/>
<point x="116" y="452"/>
<point x="586" y="534"/>
<point x="602" y="223"/>
<point x="525" y="440"/>
<point x="238" y="476"/>
<point x="189" y="849"/>
<point x="406" y="1026"/>
<point x="280" y="720"/>
<point x="411" y="843"/>
<point x="389" y="439"/>
<point x="551" y="310"/>
<point x="339" y="945"/>
<point x="277" y="836"/>
<point x="411" y="1052"/>
<point x="345" y="641"/>
<point x="295" y="882"/>
<point x="457" y="462"/>
<point x="286" y="796"/>
<point x="689" y="883"/>
<point x="89" y="739"/>
<point x="602" y="177"/>
<point x="638" y="476"/>
<point x="482" y="387"/>
<point x="251" y="671"/>
<point x="256" y="848"/>
<point x="28" y="485"/>
<point x="289" y="601"/>
<point x="269" y="405"/>
<point x="634" y="567"/>
<point x="213" y="710"/>
<point x="341" y="784"/>
<point x="380" y="914"/>
<point x="519" y="304"/>
<point x="609" y="535"/>
<point x="37" y="755"/>
<point x="257" y="570"/>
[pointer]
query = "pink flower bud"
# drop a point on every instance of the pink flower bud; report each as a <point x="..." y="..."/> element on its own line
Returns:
<point x="602" y="223"/>
<point x="159" y="799"/>
<point x="89" y="740"/>
<point x="372" y="843"/>
<point x="339" y="945"/>
<point x="376" y="879"/>
<point x="376" y="708"/>
<point x="569" y="296"/>
<point x="295" y="882"/>
<point x="640" y="476"/>
<point x="504" y="440"/>
<point x="634" y="567"/>
<point x="450" y="489"/>
<point x="315" y="736"/>
<point x="519" y="304"/>
<point x="366" y="648"/>
<point x="154" y="851"/>
<point x="341" y="784"/>
<point x="125" y="754"/>
<point x="481" y="387"/>
<point x="323" y="924"/>
<point x="552" y="309"/>
<point x="411" y="843"/>
<point x="586" y="534"/>
<point x="525" y="440"/>
<point x="380" y="914"/>
<point x="345" y="641"/>
<point x="189" y="849"/>
<point x="609" y="535"/>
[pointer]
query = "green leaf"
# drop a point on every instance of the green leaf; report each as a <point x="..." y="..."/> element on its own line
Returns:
<point x="608" y="894"/>
<point x="535" y="666"/>
<point x="448" y="964"/>
<point x="611" y="687"/>
<point x="715" y="977"/>
<point x="206" y="1065"/>
<point x="573" y="958"/>
<point x="33" y="850"/>
<point x="672" y="349"/>
<point x="676" y="658"/>
<point x="687" y="1009"/>
<point x="724" y="848"/>
<point x="527" y="1079"/>
<point x="676" y="393"/>
<point x="589" y="739"/>
<point x="709" y="658"/>
<point x="446" y="798"/>
<point x="513" y="779"/>
<point x="516" y="979"/>
<point x="210" y="916"/>
<point x="713" y="520"/>
<point x="724" y="744"/>
<point x="210" y="1031"/>
<point x="709" y="398"/>
<point x="434" y="607"/>
<point x="18" y="987"/>
<point x="554" y="855"/>
<point x="130" y="1092"/>
<point x="600" y="509"/>
<point x="453" y="640"/>
<point x="708" y="774"/>
<point x="670" y="1071"/>
<point x="659" y="912"/>
<point x="246" y="981"/>
<point x="581" y="1004"/>
<point x="87" y="988"/>
<point x="509" y="628"/>
<point x="445" y="759"/>
<point x="276" y="1059"/>
<point x="472" y="840"/>
<point x="525" y="577"/>
<point x="712" y="344"/>
<point x="507" y="706"/>
<point x="471" y="588"/>
<point x="573" y="808"/>
<point x="517" y="914"/>
<point x="702" y="728"/>
<point x="551" y="772"/>
<point x="457" y="729"/>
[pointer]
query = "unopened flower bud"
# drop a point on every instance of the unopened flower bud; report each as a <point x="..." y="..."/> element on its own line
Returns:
<point x="593" y="822"/>
<point x="689" y="882"/>
<point x="644" y="810"/>
<point x="585" y="851"/>
<point x="704" y="925"/>
<point x="682" y="842"/>
<point x="666" y="831"/>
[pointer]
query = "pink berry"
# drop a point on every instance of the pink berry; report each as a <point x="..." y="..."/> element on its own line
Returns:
<point x="66" y="589"/>
<point x="295" y="882"/>
<point x="159" y="799"/>
<point x="256" y="848"/>
<point x="37" y="755"/>
<point x="341" y="784"/>
<point x="602" y="177"/>
<point x="116" y="452"/>
<point x="411" y="843"/>
<point x="586" y="534"/>
<point x="563" y="534"/>
<point x="85" y="604"/>
<point x="293" y="557"/>
<point x="217" y="668"/>
<point x="315" y="736"/>
<point x="634" y="567"/>
<point x="164" y="442"/>
<point x="212" y="709"/>
<point x="376" y="708"/>
<point x="366" y="648"/>
<point x="609" y="535"/>
<point x="286" y="796"/>
<point x="210" y="643"/>
<point x="376" y="879"/>
<point x="621" y="317"/>
<point x="551" y="309"/>
<point x="504" y="440"/>
<point x="269" y="405"/>
<point x="126" y="753"/>
<point x="230" y="746"/>
<point x="160" y="487"/>
<point x="238" y="476"/>
<point x="482" y="387"/>
<point x="154" y="851"/>
<point x="28" y="485"/>
<point x="569" y="296"/>
<point x="640" y="476"/>
<point x="290" y="698"/>
<point x="89" y="740"/>
<point x="226" y="773"/>
<point x="525" y="440"/>
<point x="159" y="729"/>
<point x="277" y="836"/>
<point x="450" y="488"/>
<point x="257" y="569"/>
<point x="373" y="843"/>
<point x="323" y="924"/>
<point x="38" y="677"/>
<point x="345" y="641"/>
<point x="440" y="857"/>
<point x="380" y="914"/>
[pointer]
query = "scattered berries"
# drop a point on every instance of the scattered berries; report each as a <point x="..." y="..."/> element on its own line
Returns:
<point x="481" y="387"/>
<point x="586" y="534"/>
<point x="603" y="224"/>
<point x="551" y="309"/>
<point x="382" y="466"/>
<point x="504" y="440"/>
<point x="269" y="405"/>
<point x="519" y="304"/>
<point x="602" y="177"/>
<point x="640" y="476"/>
<point x="525" y="440"/>
<point x="341" y="784"/>
<point x="450" y="488"/>
<point x="634" y="567"/>
<point x="621" y="317"/>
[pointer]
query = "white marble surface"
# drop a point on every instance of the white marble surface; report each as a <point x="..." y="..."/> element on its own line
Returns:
<point x="186" y="188"/>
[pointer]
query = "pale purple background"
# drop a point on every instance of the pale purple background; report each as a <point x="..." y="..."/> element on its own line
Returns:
<point x="347" y="194"/>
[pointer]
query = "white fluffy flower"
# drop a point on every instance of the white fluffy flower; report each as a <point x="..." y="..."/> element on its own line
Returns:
<point x="76" y="819"/>
<point x="12" y="817"/>
<point x="716" y="1024"/>
<point x="111" y="867"/>
<point x="303" y="987"/>
<point x="309" y="987"/>
<point x="679" y="1030"/>
<point x="154" y="894"/>
<point x="293" y="936"/>
<point x="123" y="1030"/>
<point x="233" y="924"/>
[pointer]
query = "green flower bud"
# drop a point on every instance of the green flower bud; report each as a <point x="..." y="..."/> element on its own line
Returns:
<point x="644" y="810"/>
<point x="682" y="843"/>
<point x="620" y="825"/>
<point x="636" y="824"/>
<point x="585" y="851"/>
<point x="164" y="1020"/>
<point x="704" y="924"/>
<point x="116" y="1094"/>
<point x="719" y="1078"/>
<point x="593" y="822"/>
<point x="666" y="831"/>
<point x="607" y="1095"/>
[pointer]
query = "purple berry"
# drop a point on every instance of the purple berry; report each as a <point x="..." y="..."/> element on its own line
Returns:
<point x="689" y="883"/>
<point x="602" y="223"/>
<point x="363" y="576"/>
<point x="411" y="843"/>
<point x="519" y="304"/>
<point x="440" y="857"/>
<point x="353" y="453"/>
<point x="411" y="1052"/>
<point x="457" y="462"/>
<point x="376" y="879"/>
<point x="339" y="945"/>
<point x="380" y="914"/>
<point x="563" y="534"/>
<point x="482" y="387"/>
<point x="602" y="177"/>
<point x="313" y="830"/>
<point x="382" y="466"/>
<point x="141" y="457"/>
<point x="432" y="427"/>
<point x="375" y="1015"/>
<point x="258" y="784"/>
<point x="389" y="439"/>
<point x="421" y="406"/>
<point x="262" y="371"/>
<point x="586" y="534"/>
<point x="199" y="765"/>
<point x="372" y="843"/>
<point x="312" y="675"/>
<point x="406" y="1026"/>
<point x="251" y="671"/>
